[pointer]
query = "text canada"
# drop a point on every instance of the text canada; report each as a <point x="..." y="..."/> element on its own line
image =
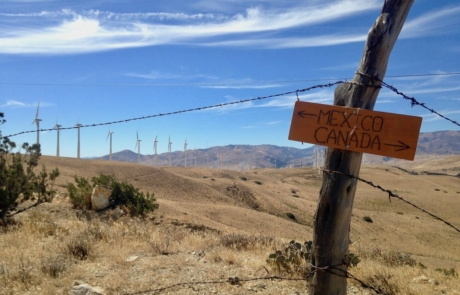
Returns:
<point x="349" y="129"/>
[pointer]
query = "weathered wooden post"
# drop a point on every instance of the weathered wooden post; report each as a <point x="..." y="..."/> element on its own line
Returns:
<point x="333" y="215"/>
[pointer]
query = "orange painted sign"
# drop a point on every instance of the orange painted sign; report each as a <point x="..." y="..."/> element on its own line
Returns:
<point x="355" y="129"/>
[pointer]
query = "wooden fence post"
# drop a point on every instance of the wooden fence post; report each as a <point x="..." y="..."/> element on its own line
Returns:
<point x="333" y="215"/>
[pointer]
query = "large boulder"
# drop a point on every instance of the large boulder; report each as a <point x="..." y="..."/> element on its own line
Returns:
<point x="100" y="199"/>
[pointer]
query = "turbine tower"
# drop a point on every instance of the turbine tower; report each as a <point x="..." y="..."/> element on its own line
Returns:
<point x="58" y="129"/>
<point x="110" y="135"/>
<point x="155" y="150"/>
<point x="185" y="152"/>
<point x="138" y="145"/>
<point x="169" y="150"/>
<point x="78" y="125"/>
<point x="37" y="121"/>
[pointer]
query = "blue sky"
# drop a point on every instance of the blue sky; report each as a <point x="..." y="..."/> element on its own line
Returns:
<point x="99" y="61"/>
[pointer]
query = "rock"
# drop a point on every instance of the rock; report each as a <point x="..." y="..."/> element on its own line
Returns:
<point x="100" y="198"/>
<point x="132" y="258"/>
<point x="81" y="288"/>
<point x="421" y="279"/>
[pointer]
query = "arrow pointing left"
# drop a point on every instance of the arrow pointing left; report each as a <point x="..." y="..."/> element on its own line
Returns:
<point x="303" y="114"/>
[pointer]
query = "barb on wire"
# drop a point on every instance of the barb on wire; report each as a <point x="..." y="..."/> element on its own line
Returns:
<point x="188" y="110"/>
<point x="393" y="195"/>
<point x="412" y="100"/>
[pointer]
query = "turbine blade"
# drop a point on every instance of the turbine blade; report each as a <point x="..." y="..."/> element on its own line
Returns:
<point x="36" y="114"/>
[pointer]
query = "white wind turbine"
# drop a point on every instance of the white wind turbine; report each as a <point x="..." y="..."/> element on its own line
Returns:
<point x="155" y="150"/>
<point x="169" y="149"/>
<point x="185" y="152"/>
<point x="138" y="145"/>
<point x="58" y="129"/>
<point x="110" y="135"/>
<point x="37" y="121"/>
<point x="78" y="125"/>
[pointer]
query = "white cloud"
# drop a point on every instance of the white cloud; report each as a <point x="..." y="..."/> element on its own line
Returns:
<point x="75" y="33"/>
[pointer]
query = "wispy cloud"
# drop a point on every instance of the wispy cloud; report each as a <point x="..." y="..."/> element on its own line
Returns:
<point x="433" y="117"/>
<point x="15" y="103"/>
<point x="432" y="23"/>
<point x="71" y="32"/>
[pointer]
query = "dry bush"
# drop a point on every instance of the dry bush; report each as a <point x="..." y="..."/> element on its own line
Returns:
<point x="54" y="265"/>
<point x="79" y="246"/>
<point x="382" y="284"/>
<point x="244" y="242"/>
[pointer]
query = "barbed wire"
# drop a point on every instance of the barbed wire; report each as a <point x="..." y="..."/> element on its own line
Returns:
<point x="237" y="281"/>
<point x="412" y="100"/>
<point x="230" y="280"/>
<point x="393" y="195"/>
<point x="392" y="88"/>
<point x="187" y="110"/>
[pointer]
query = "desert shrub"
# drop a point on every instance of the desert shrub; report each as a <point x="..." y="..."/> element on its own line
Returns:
<point x="122" y="194"/>
<point x="447" y="272"/>
<point x="54" y="266"/>
<point x="368" y="219"/>
<point x="382" y="284"/>
<point x="18" y="180"/>
<point x="80" y="194"/>
<point x="291" y="216"/>
<point x="243" y="242"/>
<point x="258" y="182"/>
<point x="393" y="258"/>
<point x="137" y="202"/>
<point x="243" y="178"/>
<point x="78" y="247"/>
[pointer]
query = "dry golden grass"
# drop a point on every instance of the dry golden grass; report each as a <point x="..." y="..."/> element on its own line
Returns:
<point x="207" y="228"/>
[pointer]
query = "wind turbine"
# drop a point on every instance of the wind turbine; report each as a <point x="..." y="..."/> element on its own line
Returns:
<point x="58" y="129"/>
<point x="155" y="149"/>
<point x="185" y="152"/>
<point x="78" y="125"/>
<point x="138" y="145"/>
<point x="110" y="135"/>
<point x="37" y="121"/>
<point x="169" y="150"/>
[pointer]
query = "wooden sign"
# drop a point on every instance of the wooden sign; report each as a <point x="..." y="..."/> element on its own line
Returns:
<point x="355" y="129"/>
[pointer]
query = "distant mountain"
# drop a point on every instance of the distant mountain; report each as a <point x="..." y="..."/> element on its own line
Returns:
<point x="440" y="142"/>
<point x="241" y="157"/>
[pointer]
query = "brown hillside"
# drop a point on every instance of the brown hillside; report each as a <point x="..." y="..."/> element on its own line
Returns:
<point x="257" y="201"/>
<point x="215" y="224"/>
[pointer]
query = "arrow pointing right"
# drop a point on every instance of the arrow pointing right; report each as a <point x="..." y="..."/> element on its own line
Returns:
<point x="400" y="147"/>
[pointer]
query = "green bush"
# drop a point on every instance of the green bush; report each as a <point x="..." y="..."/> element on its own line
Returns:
<point x="122" y="194"/>
<point x="80" y="194"/>
<point x="18" y="180"/>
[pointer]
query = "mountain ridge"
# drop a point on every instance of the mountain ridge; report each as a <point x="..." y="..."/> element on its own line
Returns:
<point x="244" y="156"/>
